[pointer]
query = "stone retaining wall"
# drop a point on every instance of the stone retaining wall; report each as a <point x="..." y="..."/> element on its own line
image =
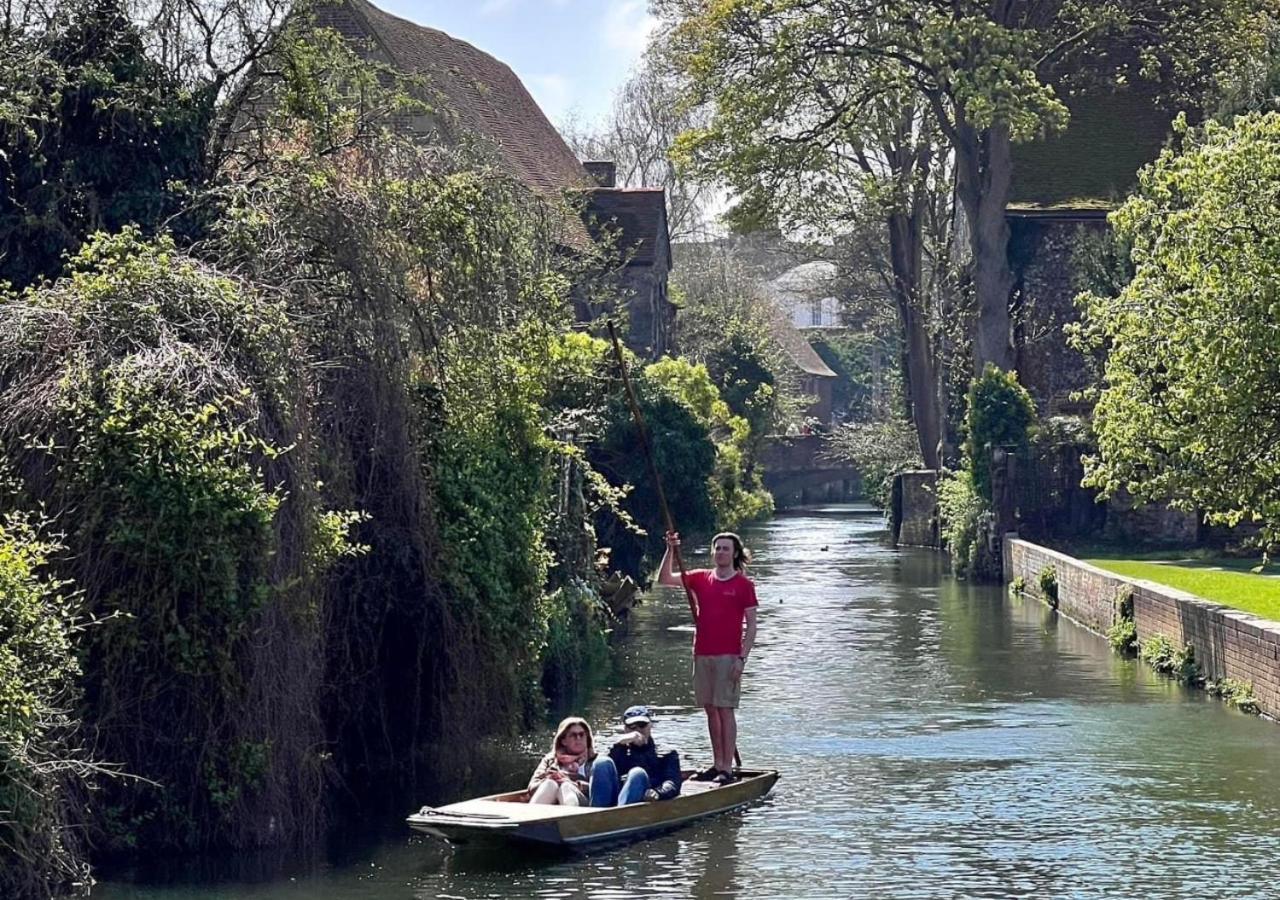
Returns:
<point x="1228" y="643"/>
<point x="915" y="509"/>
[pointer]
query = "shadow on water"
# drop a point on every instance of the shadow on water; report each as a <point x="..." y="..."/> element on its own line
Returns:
<point x="936" y="739"/>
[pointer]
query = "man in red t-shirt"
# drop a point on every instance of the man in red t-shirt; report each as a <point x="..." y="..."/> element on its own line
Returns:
<point x="726" y="601"/>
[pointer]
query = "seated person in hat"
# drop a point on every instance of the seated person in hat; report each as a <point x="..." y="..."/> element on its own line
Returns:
<point x="647" y="772"/>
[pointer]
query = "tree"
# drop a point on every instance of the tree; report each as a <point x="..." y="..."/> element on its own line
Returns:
<point x="796" y="83"/>
<point x="638" y="134"/>
<point x="1188" y="408"/>
<point x="724" y="324"/>
<point x="94" y="135"/>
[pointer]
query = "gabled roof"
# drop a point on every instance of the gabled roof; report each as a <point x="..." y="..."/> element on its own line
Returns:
<point x="639" y="214"/>
<point x="481" y="94"/>
<point x="799" y="349"/>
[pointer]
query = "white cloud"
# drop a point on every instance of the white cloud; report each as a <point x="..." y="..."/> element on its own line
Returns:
<point x="553" y="93"/>
<point x="627" y="26"/>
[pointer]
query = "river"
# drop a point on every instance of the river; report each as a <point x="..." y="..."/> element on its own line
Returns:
<point x="935" y="739"/>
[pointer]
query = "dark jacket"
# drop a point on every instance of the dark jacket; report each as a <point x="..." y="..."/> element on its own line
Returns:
<point x="662" y="766"/>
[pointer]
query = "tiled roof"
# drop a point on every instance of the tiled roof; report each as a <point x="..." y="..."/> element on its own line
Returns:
<point x="639" y="213"/>
<point x="799" y="349"/>
<point x="483" y="96"/>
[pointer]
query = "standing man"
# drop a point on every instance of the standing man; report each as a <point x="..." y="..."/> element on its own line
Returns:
<point x="726" y="601"/>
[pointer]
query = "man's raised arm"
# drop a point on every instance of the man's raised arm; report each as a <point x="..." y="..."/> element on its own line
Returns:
<point x="666" y="572"/>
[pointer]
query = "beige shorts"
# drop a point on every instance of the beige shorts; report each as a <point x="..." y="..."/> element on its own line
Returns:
<point x="713" y="683"/>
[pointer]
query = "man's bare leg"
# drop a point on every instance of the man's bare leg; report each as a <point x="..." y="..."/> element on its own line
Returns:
<point x="716" y="733"/>
<point x="728" y="738"/>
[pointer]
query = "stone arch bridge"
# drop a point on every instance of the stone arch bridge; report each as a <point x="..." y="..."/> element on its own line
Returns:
<point x="798" y="472"/>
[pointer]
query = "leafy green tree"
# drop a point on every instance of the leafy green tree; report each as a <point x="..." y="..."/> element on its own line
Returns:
<point x="736" y="494"/>
<point x="94" y="135"/>
<point x="1000" y="414"/>
<point x="724" y="324"/>
<point x="800" y="88"/>
<point x="1187" y="412"/>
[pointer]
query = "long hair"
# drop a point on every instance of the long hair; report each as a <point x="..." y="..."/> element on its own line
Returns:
<point x="565" y="725"/>
<point x="741" y="555"/>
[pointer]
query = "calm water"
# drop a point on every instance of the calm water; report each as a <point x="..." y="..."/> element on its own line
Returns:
<point x="935" y="740"/>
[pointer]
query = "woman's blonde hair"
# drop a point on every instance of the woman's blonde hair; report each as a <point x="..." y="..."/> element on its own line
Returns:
<point x="565" y="725"/>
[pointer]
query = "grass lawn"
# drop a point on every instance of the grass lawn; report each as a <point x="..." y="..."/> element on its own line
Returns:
<point x="1226" y="581"/>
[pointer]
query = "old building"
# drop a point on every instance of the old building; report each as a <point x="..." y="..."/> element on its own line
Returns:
<point x="475" y="97"/>
<point x="632" y="222"/>
<point x="1063" y="189"/>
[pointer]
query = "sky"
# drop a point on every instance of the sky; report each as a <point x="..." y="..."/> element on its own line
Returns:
<point x="572" y="55"/>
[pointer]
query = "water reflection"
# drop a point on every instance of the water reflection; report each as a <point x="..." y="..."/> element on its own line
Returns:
<point x="936" y="739"/>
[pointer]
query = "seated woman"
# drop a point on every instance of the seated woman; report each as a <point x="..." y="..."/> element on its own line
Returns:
<point x="563" y="774"/>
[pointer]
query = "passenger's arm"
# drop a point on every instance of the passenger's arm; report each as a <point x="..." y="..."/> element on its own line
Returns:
<point x="542" y="771"/>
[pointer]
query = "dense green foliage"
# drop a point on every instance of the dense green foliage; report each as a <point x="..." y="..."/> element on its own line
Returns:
<point x="154" y="397"/>
<point x="735" y="495"/>
<point x="93" y="135"/>
<point x="961" y="514"/>
<point x="1192" y="365"/>
<point x="1000" y="413"/>
<point x="39" y="773"/>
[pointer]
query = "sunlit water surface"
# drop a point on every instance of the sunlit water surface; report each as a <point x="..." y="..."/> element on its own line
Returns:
<point x="935" y="740"/>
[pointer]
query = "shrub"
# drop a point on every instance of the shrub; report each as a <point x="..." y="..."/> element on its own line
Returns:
<point x="1123" y="633"/>
<point x="1178" y="662"/>
<point x="1018" y="586"/>
<point x="1235" y="693"/>
<point x="1123" y="636"/>
<point x="40" y="774"/>
<point x="1049" y="585"/>
<point x="736" y="494"/>
<point x="961" y="511"/>
<point x="1000" y="413"/>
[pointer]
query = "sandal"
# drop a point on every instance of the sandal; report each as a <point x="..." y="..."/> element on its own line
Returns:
<point x="723" y="778"/>
<point x="707" y="774"/>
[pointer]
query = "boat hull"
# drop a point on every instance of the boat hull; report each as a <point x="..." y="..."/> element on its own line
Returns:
<point x="508" y="818"/>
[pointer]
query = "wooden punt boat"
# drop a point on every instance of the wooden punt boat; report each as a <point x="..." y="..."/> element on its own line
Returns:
<point x="511" y="818"/>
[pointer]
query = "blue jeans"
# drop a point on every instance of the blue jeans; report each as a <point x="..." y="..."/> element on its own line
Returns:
<point x="605" y="789"/>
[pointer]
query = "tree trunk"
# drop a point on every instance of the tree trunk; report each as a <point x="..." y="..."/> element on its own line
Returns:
<point x="920" y="368"/>
<point x="984" y="175"/>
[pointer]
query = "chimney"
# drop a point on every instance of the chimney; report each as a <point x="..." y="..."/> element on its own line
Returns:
<point x="604" y="172"/>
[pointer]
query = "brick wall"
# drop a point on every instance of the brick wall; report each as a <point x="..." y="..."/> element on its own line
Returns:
<point x="1228" y="643"/>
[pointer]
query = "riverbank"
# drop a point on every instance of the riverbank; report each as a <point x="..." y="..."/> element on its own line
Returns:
<point x="1227" y="643"/>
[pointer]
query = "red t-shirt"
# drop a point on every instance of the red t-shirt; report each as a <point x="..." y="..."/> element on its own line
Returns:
<point x="722" y="608"/>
